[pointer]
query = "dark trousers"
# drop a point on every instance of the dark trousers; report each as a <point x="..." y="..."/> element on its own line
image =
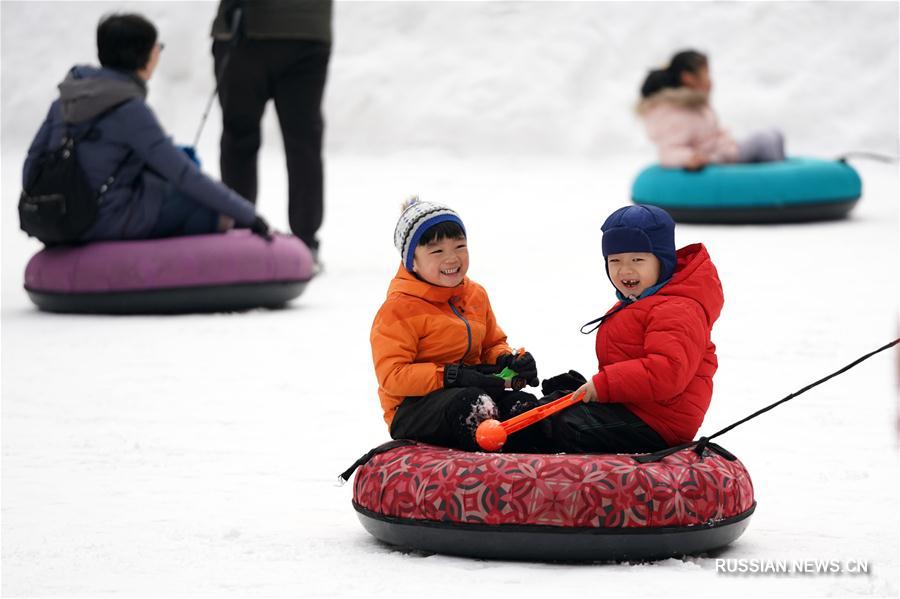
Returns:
<point x="599" y="428"/>
<point x="181" y="215"/>
<point x="763" y="146"/>
<point x="292" y="73"/>
<point x="449" y="417"/>
<point x="593" y="427"/>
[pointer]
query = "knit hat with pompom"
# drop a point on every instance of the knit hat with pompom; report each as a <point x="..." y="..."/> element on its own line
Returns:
<point x="415" y="220"/>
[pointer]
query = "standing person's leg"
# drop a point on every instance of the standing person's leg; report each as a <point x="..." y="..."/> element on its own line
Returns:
<point x="298" y="92"/>
<point x="446" y="417"/>
<point x="764" y="146"/>
<point x="243" y="93"/>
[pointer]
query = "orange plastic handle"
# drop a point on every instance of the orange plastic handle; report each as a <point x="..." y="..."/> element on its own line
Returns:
<point x="517" y="423"/>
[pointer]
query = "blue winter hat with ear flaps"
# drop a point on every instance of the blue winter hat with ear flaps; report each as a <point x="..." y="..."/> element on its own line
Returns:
<point x="642" y="228"/>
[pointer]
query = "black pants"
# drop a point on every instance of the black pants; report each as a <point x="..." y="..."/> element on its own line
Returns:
<point x="445" y="417"/>
<point x="600" y="428"/>
<point x="593" y="427"/>
<point x="292" y="73"/>
<point x="449" y="417"/>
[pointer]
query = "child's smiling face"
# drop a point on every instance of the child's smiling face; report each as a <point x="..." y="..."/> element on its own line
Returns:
<point x="443" y="262"/>
<point x="632" y="273"/>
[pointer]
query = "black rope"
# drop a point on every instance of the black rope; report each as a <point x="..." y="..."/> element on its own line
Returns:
<point x="704" y="442"/>
<point x="346" y="474"/>
<point x="602" y="319"/>
<point x="887" y="158"/>
<point x="805" y="389"/>
<point x="233" y="41"/>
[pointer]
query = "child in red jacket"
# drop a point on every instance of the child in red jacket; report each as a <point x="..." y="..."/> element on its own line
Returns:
<point x="656" y="360"/>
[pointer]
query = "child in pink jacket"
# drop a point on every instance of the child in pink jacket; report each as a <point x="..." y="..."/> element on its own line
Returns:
<point x="679" y="120"/>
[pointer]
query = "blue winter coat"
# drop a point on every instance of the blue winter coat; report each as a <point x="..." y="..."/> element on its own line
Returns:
<point x="155" y="166"/>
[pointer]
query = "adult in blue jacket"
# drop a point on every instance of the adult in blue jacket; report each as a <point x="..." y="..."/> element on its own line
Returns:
<point x="158" y="191"/>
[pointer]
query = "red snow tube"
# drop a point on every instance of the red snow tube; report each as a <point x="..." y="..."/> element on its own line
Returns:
<point x="561" y="507"/>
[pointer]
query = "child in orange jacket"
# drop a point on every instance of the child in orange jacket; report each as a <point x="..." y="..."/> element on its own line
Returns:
<point x="436" y="345"/>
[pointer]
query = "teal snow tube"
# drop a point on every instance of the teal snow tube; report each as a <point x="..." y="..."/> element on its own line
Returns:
<point x="794" y="190"/>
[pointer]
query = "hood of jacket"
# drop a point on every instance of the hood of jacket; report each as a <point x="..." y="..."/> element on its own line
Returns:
<point x="407" y="283"/>
<point x="88" y="91"/>
<point x="682" y="97"/>
<point x="696" y="278"/>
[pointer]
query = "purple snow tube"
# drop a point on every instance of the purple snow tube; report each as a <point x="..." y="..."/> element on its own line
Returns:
<point x="201" y="273"/>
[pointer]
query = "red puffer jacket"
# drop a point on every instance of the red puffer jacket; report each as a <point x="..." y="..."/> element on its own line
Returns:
<point x="656" y="356"/>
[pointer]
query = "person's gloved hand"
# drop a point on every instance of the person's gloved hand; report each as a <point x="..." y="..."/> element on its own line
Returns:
<point x="487" y="368"/>
<point x="260" y="227"/>
<point x="523" y="364"/>
<point x="191" y="152"/>
<point x="565" y="382"/>
<point x="468" y="376"/>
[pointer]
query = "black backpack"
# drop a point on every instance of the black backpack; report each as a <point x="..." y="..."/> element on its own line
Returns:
<point x="57" y="204"/>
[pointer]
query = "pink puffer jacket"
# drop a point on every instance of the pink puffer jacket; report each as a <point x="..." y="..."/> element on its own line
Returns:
<point x="680" y="122"/>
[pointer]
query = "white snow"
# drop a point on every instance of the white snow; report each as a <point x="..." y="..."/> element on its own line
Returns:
<point x="196" y="455"/>
<point x="484" y="409"/>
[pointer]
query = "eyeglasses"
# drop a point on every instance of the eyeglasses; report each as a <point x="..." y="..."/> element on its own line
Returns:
<point x="161" y="45"/>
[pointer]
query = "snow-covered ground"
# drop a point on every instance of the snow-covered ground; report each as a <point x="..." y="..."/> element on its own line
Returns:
<point x="197" y="455"/>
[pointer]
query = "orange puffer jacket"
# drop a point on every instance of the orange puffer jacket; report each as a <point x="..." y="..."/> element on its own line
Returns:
<point x="421" y="327"/>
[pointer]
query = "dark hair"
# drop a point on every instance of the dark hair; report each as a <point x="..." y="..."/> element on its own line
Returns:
<point x="124" y="41"/>
<point x="444" y="230"/>
<point x="686" y="61"/>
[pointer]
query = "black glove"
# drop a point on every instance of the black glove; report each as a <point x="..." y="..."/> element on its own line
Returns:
<point x="523" y="364"/>
<point x="468" y="376"/>
<point x="566" y="382"/>
<point x="260" y="227"/>
<point x="487" y="368"/>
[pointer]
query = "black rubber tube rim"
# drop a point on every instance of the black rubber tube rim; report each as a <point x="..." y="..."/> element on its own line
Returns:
<point x="748" y="215"/>
<point x="172" y="300"/>
<point x="553" y="543"/>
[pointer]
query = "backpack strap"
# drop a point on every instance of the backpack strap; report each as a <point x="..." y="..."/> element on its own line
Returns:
<point x="109" y="180"/>
<point x="70" y="127"/>
<point x="69" y="137"/>
<point x="69" y="140"/>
